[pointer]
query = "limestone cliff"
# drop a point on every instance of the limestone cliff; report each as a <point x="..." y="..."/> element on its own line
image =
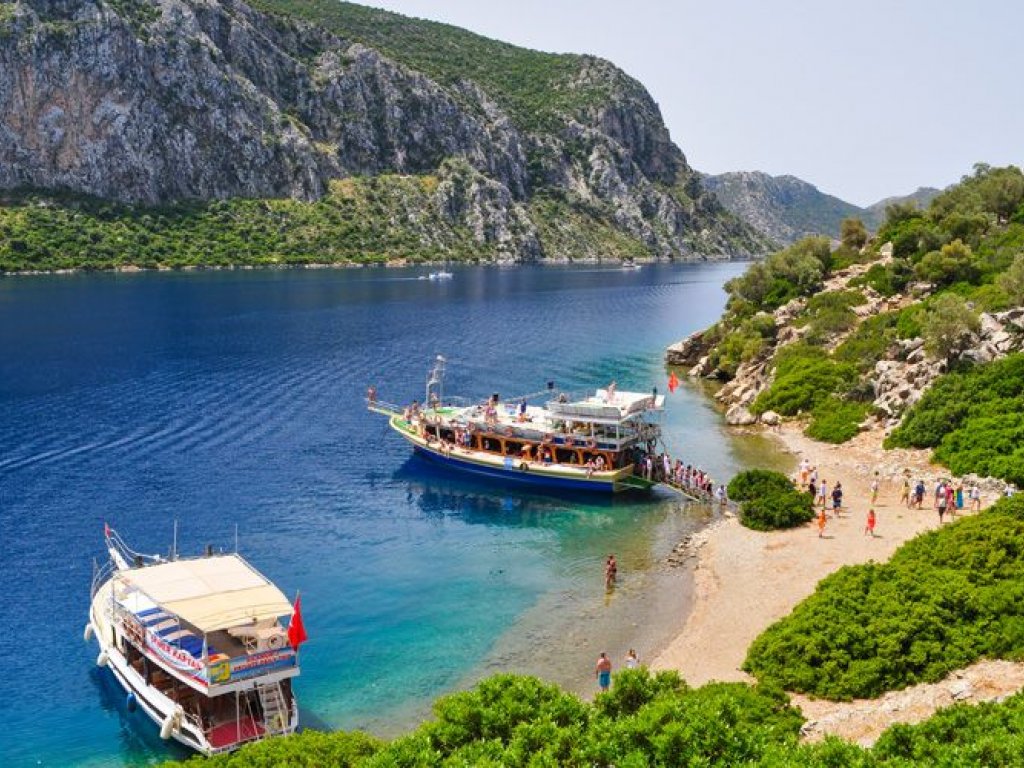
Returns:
<point x="154" y="101"/>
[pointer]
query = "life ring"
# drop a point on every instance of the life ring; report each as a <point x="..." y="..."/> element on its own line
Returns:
<point x="524" y="467"/>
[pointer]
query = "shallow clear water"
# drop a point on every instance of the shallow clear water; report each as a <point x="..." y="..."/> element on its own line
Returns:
<point x="234" y="398"/>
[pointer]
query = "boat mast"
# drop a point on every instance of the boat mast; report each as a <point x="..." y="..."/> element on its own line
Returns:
<point x="435" y="382"/>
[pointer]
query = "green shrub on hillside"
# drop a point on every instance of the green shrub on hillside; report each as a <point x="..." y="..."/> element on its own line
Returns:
<point x="948" y="326"/>
<point x="952" y="263"/>
<point x="830" y="313"/>
<point x="888" y="279"/>
<point x="743" y="344"/>
<point x="944" y="600"/>
<point x="869" y="343"/>
<point x="784" y="275"/>
<point x="835" y="420"/>
<point x="973" y="419"/>
<point x="804" y="377"/>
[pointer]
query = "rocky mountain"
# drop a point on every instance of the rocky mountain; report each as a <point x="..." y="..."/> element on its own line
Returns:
<point x="787" y="208"/>
<point x="874" y="214"/>
<point x="783" y="207"/>
<point x="524" y="154"/>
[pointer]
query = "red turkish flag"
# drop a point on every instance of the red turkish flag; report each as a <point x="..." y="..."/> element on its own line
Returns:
<point x="673" y="382"/>
<point x="296" y="632"/>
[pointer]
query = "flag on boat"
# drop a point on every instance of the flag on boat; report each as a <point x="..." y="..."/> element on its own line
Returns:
<point x="296" y="631"/>
<point x="106" y="529"/>
<point x="673" y="382"/>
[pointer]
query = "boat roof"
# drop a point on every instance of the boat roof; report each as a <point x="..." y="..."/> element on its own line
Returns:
<point x="608" y="407"/>
<point x="210" y="593"/>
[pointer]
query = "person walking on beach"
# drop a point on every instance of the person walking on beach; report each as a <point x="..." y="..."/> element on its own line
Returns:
<point x="940" y="504"/>
<point x="611" y="572"/>
<point x="822" y="520"/>
<point x="874" y="489"/>
<point x="975" y="494"/>
<point x="603" y="671"/>
<point x="905" y="492"/>
<point x="837" y="499"/>
<point x="632" y="660"/>
<point x="823" y="492"/>
<point x="870" y="527"/>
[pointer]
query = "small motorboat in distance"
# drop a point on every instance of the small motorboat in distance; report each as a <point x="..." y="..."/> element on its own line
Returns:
<point x="198" y="645"/>
<point x="442" y="275"/>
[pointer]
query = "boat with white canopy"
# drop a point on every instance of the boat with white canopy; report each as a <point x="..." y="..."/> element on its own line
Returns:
<point x="591" y="441"/>
<point x="198" y="645"/>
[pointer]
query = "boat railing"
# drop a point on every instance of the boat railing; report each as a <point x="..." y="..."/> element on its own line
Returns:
<point x="100" y="574"/>
<point x="384" y="408"/>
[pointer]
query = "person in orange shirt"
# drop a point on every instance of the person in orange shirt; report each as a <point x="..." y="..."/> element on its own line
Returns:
<point x="821" y="522"/>
<point x="870" y="527"/>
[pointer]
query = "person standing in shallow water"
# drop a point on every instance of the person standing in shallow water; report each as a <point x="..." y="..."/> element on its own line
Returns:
<point x="611" y="572"/>
<point x="603" y="671"/>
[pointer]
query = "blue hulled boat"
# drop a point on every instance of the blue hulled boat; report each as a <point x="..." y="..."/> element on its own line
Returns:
<point x="590" y="442"/>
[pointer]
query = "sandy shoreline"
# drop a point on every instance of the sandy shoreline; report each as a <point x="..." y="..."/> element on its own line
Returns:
<point x="745" y="580"/>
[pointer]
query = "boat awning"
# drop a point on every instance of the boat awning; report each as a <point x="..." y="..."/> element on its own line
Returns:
<point x="210" y="593"/>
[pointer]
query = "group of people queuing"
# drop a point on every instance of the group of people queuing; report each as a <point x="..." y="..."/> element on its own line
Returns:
<point x="660" y="468"/>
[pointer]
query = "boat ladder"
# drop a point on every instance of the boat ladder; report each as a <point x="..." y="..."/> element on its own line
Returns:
<point x="276" y="713"/>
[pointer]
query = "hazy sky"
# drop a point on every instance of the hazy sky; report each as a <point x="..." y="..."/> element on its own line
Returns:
<point x="863" y="99"/>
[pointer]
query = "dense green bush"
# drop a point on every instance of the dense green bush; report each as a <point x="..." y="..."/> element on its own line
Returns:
<point x="804" y="377"/>
<point x="944" y="600"/>
<point x="777" y="510"/>
<point x="508" y="720"/>
<point x="973" y="419"/>
<point x="768" y="500"/>
<point x="742" y="344"/>
<point x="717" y="725"/>
<point x="835" y="420"/>
<point x="869" y="343"/>
<point x="888" y="279"/>
<point x="784" y="275"/>
<point x="343" y="749"/>
<point x="752" y="483"/>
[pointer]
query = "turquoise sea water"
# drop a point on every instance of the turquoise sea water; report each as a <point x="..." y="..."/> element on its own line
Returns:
<point x="235" y="398"/>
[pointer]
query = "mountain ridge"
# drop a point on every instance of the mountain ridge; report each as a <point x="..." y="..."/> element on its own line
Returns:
<point x="788" y="208"/>
<point x="177" y="102"/>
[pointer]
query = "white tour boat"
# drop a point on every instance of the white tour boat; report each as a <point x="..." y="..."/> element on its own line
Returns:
<point x="198" y="645"/>
<point x="590" y="442"/>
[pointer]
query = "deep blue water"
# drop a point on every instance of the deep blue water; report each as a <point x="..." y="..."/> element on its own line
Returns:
<point x="234" y="398"/>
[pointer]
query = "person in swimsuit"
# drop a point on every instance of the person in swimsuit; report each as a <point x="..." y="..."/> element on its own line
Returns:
<point x="611" y="572"/>
<point x="603" y="671"/>
<point x="632" y="661"/>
